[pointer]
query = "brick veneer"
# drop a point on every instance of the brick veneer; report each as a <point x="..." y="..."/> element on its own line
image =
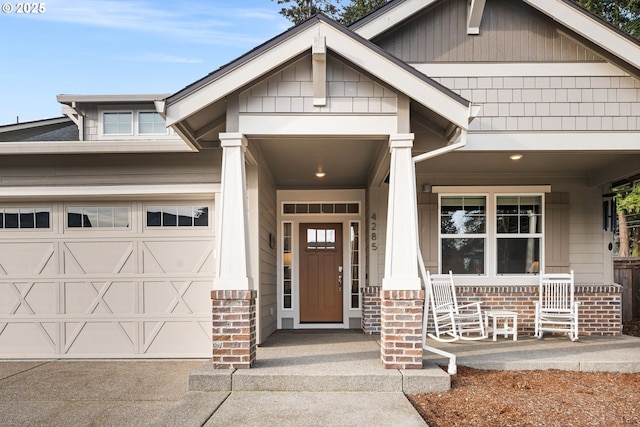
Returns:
<point x="401" y="329"/>
<point x="600" y="311"/>
<point x="234" y="329"/>
<point x="371" y="310"/>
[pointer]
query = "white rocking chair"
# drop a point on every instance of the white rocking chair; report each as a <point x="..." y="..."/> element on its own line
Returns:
<point x="452" y="321"/>
<point x="556" y="309"/>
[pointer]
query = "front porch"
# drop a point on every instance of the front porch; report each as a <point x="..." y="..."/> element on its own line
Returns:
<point x="349" y="361"/>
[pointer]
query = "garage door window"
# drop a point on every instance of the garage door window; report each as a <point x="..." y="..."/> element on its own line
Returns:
<point x="177" y="216"/>
<point x="25" y="218"/>
<point x="98" y="217"/>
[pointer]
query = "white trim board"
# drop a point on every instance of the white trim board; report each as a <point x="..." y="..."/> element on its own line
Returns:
<point x="391" y="17"/>
<point x="102" y="146"/>
<point x="566" y="69"/>
<point x="169" y="190"/>
<point x="553" y="141"/>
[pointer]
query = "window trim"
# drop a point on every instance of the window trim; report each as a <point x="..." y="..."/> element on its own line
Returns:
<point x="491" y="239"/>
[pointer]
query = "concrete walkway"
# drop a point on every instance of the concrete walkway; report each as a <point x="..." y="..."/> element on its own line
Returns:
<point x="301" y="378"/>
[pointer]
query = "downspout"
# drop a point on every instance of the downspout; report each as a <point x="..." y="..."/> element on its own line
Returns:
<point x="452" y="368"/>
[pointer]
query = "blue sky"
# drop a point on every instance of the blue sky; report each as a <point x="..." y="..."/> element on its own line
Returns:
<point x="121" y="47"/>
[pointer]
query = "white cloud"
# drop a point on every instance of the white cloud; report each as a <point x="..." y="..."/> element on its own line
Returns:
<point x="161" y="58"/>
<point x="204" y="23"/>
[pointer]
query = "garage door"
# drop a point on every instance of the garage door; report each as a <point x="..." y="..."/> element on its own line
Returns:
<point x="106" y="280"/>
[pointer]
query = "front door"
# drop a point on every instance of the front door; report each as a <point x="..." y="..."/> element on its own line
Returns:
<point x="321" y="273"/>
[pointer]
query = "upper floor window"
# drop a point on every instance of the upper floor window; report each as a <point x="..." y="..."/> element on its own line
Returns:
<point x="117" y="123"/>
<point x="134" y="122"/>
<point x="25" y="218"/>
<point x="150" y="122"/>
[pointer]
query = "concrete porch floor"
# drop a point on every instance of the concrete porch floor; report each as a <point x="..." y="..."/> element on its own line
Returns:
<point x="349" y="361"/>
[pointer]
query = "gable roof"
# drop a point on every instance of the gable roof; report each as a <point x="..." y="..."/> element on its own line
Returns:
<point x="573" y="17"/>
<point x="298" y="40"/>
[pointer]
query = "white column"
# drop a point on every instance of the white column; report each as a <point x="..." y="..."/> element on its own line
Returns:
<point x="232" y="249"/>
<point x="401" y="257"/>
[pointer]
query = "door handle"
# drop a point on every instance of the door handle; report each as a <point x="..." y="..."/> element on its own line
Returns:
<point x="340" y="282"/>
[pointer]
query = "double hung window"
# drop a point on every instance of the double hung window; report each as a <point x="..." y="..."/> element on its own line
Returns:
<point x="491" y="234"/>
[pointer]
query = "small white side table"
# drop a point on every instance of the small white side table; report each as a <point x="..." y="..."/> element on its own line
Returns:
<point x="501" y="320"/>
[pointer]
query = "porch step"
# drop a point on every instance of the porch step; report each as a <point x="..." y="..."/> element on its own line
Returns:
<point x="426" y="380"/>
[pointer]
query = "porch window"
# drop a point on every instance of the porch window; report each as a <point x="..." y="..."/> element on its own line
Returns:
<point x="286" y="265"/>
<point x="463" y="233"/>
<point x="491" y="234"/>
<point x="519" y="232"/>
<point x="355" y="264"/>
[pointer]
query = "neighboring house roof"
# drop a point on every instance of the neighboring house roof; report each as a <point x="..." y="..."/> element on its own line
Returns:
<point x="56" y="129"/>
<point x="573" y="17"/>
<point x="298" y="40"/>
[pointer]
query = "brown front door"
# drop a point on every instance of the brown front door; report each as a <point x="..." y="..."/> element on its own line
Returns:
<point x="321" y="273"/>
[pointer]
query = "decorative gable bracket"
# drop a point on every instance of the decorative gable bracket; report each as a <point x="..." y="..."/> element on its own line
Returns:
<point x="474" y="16"/>
<point x="319" y="59"/>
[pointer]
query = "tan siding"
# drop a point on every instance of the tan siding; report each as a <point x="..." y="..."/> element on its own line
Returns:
<point x="428" y="226"/>
<point x="267" y="294"/>
<point x="111" y="169"/>
<point x="557" y="233"/>
<point x="509" y="32"/>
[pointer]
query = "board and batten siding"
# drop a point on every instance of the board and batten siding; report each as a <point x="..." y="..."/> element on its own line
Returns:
<point x="510" y="32"/>
<point x="291" y="91"/>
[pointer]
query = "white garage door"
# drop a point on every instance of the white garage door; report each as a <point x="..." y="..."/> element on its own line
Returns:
<point x="106" y="280"/>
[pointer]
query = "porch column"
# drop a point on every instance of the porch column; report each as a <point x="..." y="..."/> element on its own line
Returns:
<point x="233" y="296"/>
<point x="402" y="295"/>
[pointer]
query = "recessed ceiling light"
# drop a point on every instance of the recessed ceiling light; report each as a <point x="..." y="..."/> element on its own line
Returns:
<point x="515" y="156"/>
<point x="320" y="173"/>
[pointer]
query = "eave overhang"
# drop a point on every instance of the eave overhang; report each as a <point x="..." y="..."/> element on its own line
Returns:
<point x="299" y="40"/>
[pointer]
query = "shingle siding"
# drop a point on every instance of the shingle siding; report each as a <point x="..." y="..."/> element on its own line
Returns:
<point x="551" y="103"/>
<point x="291" y="91"/>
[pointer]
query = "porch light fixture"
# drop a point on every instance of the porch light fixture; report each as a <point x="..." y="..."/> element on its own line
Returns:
<point x="320" y="173"/>
<point x="515" y="156"/>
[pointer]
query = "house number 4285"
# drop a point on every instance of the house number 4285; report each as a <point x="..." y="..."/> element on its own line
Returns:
<point x="374" y="236"/>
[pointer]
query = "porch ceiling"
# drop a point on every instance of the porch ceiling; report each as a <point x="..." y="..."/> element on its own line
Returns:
<point x="596" y="167"/>
<point x="347" y="162"/>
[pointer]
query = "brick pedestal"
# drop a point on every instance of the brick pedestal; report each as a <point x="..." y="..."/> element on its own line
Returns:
<point x="401" y="329"/>
<point x="371" y="310"/>
<point x="234" y="329"/>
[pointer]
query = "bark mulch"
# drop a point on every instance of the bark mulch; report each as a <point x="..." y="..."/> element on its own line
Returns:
<point x="535" y="398"/>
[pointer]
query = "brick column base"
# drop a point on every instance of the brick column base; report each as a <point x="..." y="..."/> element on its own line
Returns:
<point x="401" y="335"/>
<point x="234" y="329"/>
<point x="371" y="310"/>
